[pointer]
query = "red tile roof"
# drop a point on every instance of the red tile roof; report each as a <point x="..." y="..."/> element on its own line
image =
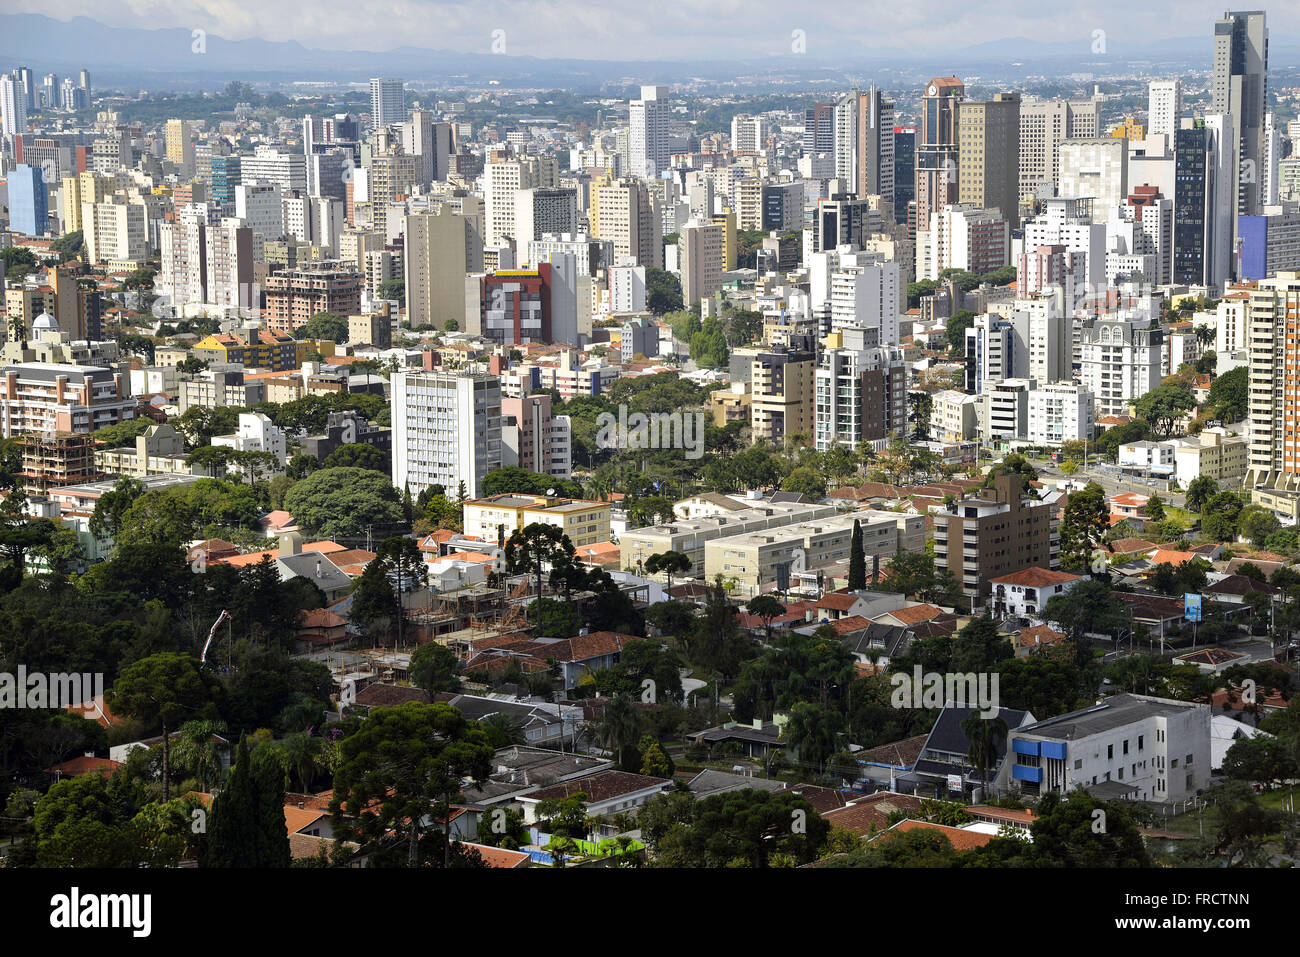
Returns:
<point x="1035" y="578"/>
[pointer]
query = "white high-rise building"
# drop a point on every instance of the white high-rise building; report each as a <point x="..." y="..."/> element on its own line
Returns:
<point x="866" y="291"/>
<point x="13" y="106"/>
<point x="1044" y="126"/>
<point x="270" y="165"/>
<point x="540" y="211"/>
<point x="1141" y="229"/>
<point x="501" y="181"/>
<point x="446" y="430"/>
<point x="1097" y="169"/>
<point x="748" y="133"/>
<point x="1120" y="360"/>
<point x="1067" y="222"/>
<point x="703" y="260"/>
<point x="1165" y="106"/>
<point x="387" y="101"/>
<point x="647" y="140"/>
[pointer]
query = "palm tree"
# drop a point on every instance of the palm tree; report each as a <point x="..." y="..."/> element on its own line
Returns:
<point x="300" y="754"/>
<point x="512" y="728"/>
<point x="984" y="735"/>
<point x="199" y="749"/>
<point x="619" y="728"/>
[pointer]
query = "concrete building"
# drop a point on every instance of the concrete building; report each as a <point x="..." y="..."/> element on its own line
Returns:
<point x="50" y="397"/>
<point x="1095" y="169"/>
<point x="446" y="430"/>
<point x="1165" y="107"/>
<point x="159" y="451"/>
<point x="387" y="101"/>
<point x="781" y="384"/>
<point x="703" y="260"/>
<point x="495" y="518"/>
<point x="1044" y="126"/>
<point x="647" y="140"/>
<point x="989" y="156"/>
<point x="1129" y="747"/>
<point x="1215" y="452"/>
<point x="1240" y="89"/>
<point x="963" y="237"/>
<point x="534" y="439"/>
<point x="861" y="393"/>
<point x="1060" y="412"/>
<point x="441" y="248"/>
<point x="1121" y="360"/>
<point x="255" y="433"/>
<point x="954" y="416"/>
<point x="994" y="532"/>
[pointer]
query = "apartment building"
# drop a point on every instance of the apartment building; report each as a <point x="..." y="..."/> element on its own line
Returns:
<point x="220" y="385"/>
<point x="689" y="536"/>
<point x="1128" y="747"/>
<point x="446" y="430"/>
<point x="781" y="386"/>
<point x="534" y="439"/>
<point x="861" y="394"/>
<point x="1060" y="412"/>
<point x="496" y="517"/>
<point x="992" y="532"/>
<point x="254" y="349"/>
<point x="954" y="416"/>
<point x="295" y="295"/>
<point x="1222" y="455"/>
<point x="55" y="397"/>
<point x="753" y="558"/>
<point x="1120" y="360"/>
<point x="159" y="451"/>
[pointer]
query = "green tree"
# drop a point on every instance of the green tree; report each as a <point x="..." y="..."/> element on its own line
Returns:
<point x="857" y="559"/>
<point x="531" y="548"/>
<point x="357" y="455"/>
<point x="1066" y="833"/>
<point x="765" y="607"/>
<point x="1199" y="491"/>
<point x="393" y="289"/>
<point x="619" y="730"/>
<point x="1164" y="405"/>
<point x="669" y="563"/>
<point x="247" y="825"/>
<point x="397" y="777"/>
<point x="341" y="502"/>
<point x="1091" y="606"/>
<point x="433" y="668"/>
<point x="1083" y="529"/>
<point x="1230" y="394"/>
<point x="324" y="325"/>
<point x="164" y="689"/>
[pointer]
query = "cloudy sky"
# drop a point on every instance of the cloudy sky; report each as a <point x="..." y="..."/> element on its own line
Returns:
<point x="636" y="29"/>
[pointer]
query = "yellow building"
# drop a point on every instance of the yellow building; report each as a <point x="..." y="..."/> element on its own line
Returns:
<point x="260" y="350"/>
<point x="1130" y="129"/>
<point x="585" y="522"/>
<point x="87" y="187"/>
<point x="730" y="248"/>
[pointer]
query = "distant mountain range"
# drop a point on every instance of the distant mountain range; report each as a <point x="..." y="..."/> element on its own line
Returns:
<point x="133" y="55"/>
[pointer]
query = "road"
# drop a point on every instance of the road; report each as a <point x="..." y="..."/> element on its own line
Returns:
<point x="1113" y="483"/>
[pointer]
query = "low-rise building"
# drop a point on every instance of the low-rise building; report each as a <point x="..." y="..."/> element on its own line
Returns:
<point x="1024" y="594"/>
<point x="1129" y="746"/>
<point x="498" y="516"/>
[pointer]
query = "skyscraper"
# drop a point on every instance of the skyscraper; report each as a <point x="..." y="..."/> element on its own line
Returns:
<point x="988" y="168"/>
<point x="1044" y="125"/>
<point x="446" y="430"/>
<point x="28" y="202"/>
<point x="13" y="106"/>
<point x="875" y="173"/>
<point x="819" y="128"/>
<point x="180" y="148"/>
<point x="1274" y="461"/>
<point x="937" y="153"/>
<point x="904" y="170"/>
<point x="387" y="101"/>
<point x="1165" y="106"/>
<point x="647" y="143"/>
<point x="1240" y="89"/>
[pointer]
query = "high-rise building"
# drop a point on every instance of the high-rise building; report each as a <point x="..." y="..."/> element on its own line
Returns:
<point x="1240" y="90"/>
<point x="875" y="173"/>
<point x="180" y="147"/>
<point x="865" y="292"/>
<point x="446" y="430"/>
<point x="963" y="237"/>
<point x="861" y="392"/>
<point x="223" y="176"/>
<point x="781" y="383"/>
<point x="703" y="260"/>
<point x="502" y="180"/>
<point x="28" y="201"/>
<point x="271" y="165"/>
<point x="441" y="247"/>
<point x="28" y="81"/>
<point x="904" y="175"/>
<point x="387" y="101"/>
<point x="1274" y="462"/>
<point x="988" y="169"/>
<point x="937" y="153"/>
<point x="1204" y="201"/>
<point x="819" y="128"/>
<point x="624" y="213"/>
<point x="1120" y="360"/>
<point x="1165" y="107"/>
<point x="647" y="140"/>
<point x="539" y="211"/>
<point x="1095" y="169"/>
<point x="13" y="106"/>
<point x="1044" y="125"/>
<point x="748" y="133"/>
<point x="534" y="439"/>
<point x="391" y="177"/>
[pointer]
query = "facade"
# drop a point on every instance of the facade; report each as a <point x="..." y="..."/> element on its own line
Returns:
<point x="295" y="295"/>
<point x="703" y="260"/>
<point x="647" y="140"/>
<point x="1044" y="126"/>
<point x="1240" y="89"/>
<point x="387" y="101"/>
<point x="861" y="395"/>
<point x="53" y="397"/>
<point x="1215" y="452"/>
<point x="1095" y="169"/>
<point x="1024" y="594"/>
<point x="440" y="248"/>
<point x="218" y="386"/>
<point x="962" y="237"/>
<point x="1060" y="412"/>
<point x="1120" y="361"/>
<point x="937" y="153"/>
<point x="159" y="451"/>
<point x="534" y="439"/>
<point x="446" y="430"/>
<point x="255" y="433"/>
<point x="493" y="519"/>
<point x="992" y="533"/>
<point x="989" y="157"/>
<point x="781" y="383"/>
<point x="1128" y="746"/>
<point x="348" y="428"/>
<point x="254" y="349"/>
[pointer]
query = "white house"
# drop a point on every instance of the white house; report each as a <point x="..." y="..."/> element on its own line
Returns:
<point x="1024" y="594"/>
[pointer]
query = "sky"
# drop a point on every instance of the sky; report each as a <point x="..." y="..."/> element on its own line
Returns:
<point x="667" y="29"/>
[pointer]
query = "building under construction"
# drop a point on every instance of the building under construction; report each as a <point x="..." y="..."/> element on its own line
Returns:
<point x="55" y="459"/>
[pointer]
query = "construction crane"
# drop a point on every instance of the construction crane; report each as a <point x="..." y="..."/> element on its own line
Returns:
<point x="224" y="616"/>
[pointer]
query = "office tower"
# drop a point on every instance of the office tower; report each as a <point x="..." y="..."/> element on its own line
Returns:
<point x="1204" y="202"/>
<point x="224" y="174"/>
<point x="647" y="140"/>
<point x="25" y="76"/>
<point x="937" y="153"/>
<point x="988" y="168"/>
<point x="269" y="165"/>
<point x="904" y="174"/>
<point x="861" y="392"/>
<point x="28" y="201"/>
<point x="1067" y="222"/>
<point x="418" y="140"/>
<point x="1165" y="107"/>
<point x="1044" y="125"/>
<point x="1120" y="360"/>
<point x="440" y="249"/>
<point x="1095" y="169"/>
<point x="819" y="128"/>
<point x="50" y="91"/>
<point x="83" y="83"/>
<point x="180" y="148"/>
<point x="539" y="211"/>
<point x="625" y="214"/>
<point x="748" y="133"/>
<point x="446" y="430"/>
<point x="844" y="222"/>
<point x="387" y="101"/>
<point x="261" y="206"/>
<point x="703" y="258"/>
<point x="328" y="173"/>
<point x="874" y="172"/>
<point x="13" y="106"/>
<point x="782" y="205"/>
<point x="963" y="237"/>
<point x="1270" y="164"/>
<point x="1240" y="90"/>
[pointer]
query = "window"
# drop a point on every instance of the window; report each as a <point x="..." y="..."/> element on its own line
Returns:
<point x="1078" y="764"/>
<point x="1173" y="762"/>
<point x="1139" y="744"/>
<point x="1126" y="745"/>
<point x="1110" y="752"/>
<point x="1188" y="760"/>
